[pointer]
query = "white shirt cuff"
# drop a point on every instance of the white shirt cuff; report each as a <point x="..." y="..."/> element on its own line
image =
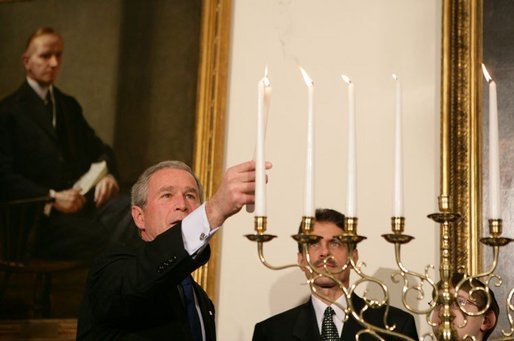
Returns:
<point x="47" y="209"/>
<point x="196" y="232"/>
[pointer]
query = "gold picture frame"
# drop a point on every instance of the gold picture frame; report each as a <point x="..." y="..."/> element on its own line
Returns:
<point x="208" y="155"/>
<point x="460" y="127"/>
<point x="210" y="116"/>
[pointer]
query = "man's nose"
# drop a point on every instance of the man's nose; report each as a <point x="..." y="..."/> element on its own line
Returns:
<point x="181" y="203"/>
<point x="54" y="61"/>
<point x="324" y="249"/>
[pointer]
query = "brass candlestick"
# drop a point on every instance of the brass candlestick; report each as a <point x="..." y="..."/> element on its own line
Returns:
<point x="444" y="295"/>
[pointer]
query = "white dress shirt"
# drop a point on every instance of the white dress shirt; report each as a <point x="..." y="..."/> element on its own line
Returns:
<point x="320" y="307"/>
<point x="42" y="93"/>
<point x="196" y="234"/>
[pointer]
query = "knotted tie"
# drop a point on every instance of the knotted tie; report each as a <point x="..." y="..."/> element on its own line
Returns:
<point x="49" y="107"/>
<point x="192" y="314"/>
<point x="328" y="327"/>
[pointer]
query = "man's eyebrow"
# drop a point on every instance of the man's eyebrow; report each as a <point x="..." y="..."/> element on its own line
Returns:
<point x="173" y="188"/>
<point x="192" y="190"/>
<point x="166" y="189"/>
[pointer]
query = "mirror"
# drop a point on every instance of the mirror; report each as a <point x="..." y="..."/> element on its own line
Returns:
<point x="151" y="78"/>
<point x="498" y="49"/>
<point x="474" y="32"/>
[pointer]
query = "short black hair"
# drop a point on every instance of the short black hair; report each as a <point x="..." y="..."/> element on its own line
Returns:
<point x="326" y="215"/>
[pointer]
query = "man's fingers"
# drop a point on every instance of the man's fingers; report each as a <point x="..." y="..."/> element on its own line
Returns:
<point x="105" y="189"/>
<point x="248" y="166"/>
<point x="245" y="173"/>
<point x="101" y="194"/>
<point x="69" y="201"/>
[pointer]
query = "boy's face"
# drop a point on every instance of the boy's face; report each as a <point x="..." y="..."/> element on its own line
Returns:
<point x="466" y="326"/>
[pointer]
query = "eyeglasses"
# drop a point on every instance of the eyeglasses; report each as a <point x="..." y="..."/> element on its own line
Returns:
<point x="333" y="244"/>
<point x="463" y="302"/>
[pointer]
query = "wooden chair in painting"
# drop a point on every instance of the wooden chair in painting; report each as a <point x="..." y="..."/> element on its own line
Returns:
<point x="19" y="223"/>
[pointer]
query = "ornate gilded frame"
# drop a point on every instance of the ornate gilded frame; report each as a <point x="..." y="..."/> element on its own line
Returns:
<point x="210" y="113"/>
<point x="460" y="122"/>
<point x="210" y="116"/>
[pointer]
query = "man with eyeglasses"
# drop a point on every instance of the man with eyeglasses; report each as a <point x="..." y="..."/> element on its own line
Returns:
<point x="322" y="316"/>
<point x="469" y="327"/>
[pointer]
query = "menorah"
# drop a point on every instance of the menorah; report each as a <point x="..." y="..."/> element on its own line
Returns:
<point x="445" y="293"/>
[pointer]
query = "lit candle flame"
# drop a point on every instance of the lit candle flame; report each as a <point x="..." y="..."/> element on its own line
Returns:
<point x="266" y="80"/>
<point x="395" y="77"/>
<point x="346" y="79"/>
<point x="308" y="81"/>
<point x="487" y="76"/>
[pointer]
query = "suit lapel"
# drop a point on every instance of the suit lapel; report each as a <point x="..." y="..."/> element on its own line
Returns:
<point x="34" y="108"/>
<point x="306" y="328"/>
<point x="351" y="326"/>
<point x="207" y="310"/>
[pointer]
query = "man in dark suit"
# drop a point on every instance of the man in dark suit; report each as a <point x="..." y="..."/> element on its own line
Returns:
<point x="46" y="145"/>
<point x="140" y="293"/>
<point x="322" y="317"/>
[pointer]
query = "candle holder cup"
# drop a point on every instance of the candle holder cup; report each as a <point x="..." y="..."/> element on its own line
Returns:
<point x="260" y="223"/>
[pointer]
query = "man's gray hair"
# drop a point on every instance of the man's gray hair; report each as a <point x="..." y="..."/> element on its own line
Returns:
<point x="139" y="191"/>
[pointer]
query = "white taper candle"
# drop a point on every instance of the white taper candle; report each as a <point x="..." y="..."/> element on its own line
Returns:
<point x="309" y="159"/>
<point x="398" y="210"/>
<point x="351" y="174"/>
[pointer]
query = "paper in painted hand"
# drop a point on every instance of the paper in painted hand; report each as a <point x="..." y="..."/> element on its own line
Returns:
<point x="95" y="173"/>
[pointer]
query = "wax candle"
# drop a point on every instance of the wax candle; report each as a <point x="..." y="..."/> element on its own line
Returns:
<point x="309" y="160"/>
<point x="263" y="103"/>
<point x="398" y="154"/>
<point x="494" y="152"/>
<point x="351" y="174"/>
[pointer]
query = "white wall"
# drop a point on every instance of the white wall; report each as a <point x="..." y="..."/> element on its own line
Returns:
<point x="368" y="41"/>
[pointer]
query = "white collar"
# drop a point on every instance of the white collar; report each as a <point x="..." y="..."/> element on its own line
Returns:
<point x="320" y="306"/>
<point x="41" y="91"/>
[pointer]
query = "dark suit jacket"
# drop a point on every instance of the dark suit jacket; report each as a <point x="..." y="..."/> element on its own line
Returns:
<point x="35" y="156"/>
<point x="133" y="294"/>
<point x="300" y="323"/>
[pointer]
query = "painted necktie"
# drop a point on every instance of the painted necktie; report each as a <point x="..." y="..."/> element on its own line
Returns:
<point x="49" y="108"/>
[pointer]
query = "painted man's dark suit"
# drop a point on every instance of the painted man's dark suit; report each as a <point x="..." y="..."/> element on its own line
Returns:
<point x="36" y="157"/>
<point x="300" y="323"/>
<point x="135" y="294"/>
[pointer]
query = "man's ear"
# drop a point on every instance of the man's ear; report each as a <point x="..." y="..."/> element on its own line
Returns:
<point x="355" y="255"/>
<point x="300" y="259"/>
<point x="25" y="59"/>
<point x="489" y="321"/>
<point x="138" y="216"/>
